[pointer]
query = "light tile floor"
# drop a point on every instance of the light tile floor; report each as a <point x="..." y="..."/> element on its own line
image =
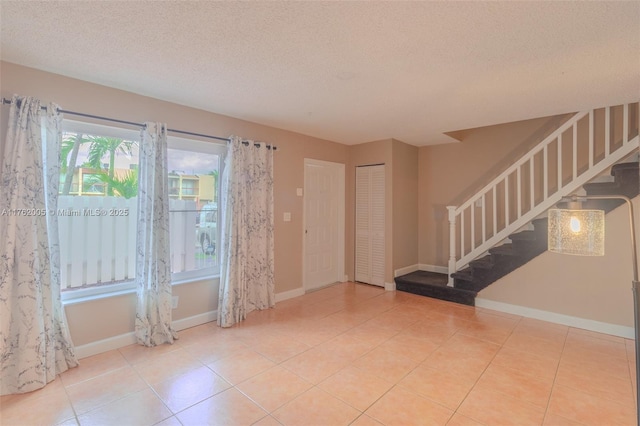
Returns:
<point x="351" y="354"/>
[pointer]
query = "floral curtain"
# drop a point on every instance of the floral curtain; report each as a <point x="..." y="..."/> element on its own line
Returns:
<point x="153" y="268"/>
<point x="36" y="344"/>
<point x="247" y="272"/>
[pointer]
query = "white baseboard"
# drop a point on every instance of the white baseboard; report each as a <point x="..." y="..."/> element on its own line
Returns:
<point x="586" y="324"/>
<point x="289" y="294"/>
<point x="390" y="286"/>
<point x="345" y="279"/>
<point x="433" y="268"/>
<point x="406" y="270"/>
<point x="127" y="339"/>
<point x="195" y="320"/>
<point x="104" y="345"/>
<point x="420" y="267"/>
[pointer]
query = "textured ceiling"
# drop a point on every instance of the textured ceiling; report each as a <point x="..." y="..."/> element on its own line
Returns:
<point x="350" y="72"/>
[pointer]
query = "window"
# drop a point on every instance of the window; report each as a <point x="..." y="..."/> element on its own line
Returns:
<point x="97" y="208"/>
<point x="194" y="188"/>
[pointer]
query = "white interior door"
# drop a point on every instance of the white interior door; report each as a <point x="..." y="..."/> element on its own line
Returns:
<point x="324" y="223"/>
<point x="370" y="217"/>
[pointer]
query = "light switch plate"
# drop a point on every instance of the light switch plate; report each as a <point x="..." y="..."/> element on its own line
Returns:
<point x="299" y="192"/>
<point x="287" y="216"/>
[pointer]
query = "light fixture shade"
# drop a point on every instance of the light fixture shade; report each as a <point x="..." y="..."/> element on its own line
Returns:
<point x="577" y="232"/>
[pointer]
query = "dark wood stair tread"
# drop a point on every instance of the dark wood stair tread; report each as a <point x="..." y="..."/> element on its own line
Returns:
<point x="432" y="284"/>
<point x="463" y="274"/>
<point x="624" y="167"/>
<point x="482" y="263"/>
<point x="524" y="236"/>
<point x="504" y="250"/>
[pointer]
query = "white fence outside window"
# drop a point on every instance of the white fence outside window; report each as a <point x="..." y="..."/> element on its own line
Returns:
<point x="98" y="239"/>
<point x="182" y="218"/>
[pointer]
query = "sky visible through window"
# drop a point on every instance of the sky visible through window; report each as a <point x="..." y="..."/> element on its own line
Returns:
<point x="191" y="163"/>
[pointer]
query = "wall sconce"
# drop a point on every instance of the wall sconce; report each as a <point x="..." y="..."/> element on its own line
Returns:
<point x="581" y="232"/>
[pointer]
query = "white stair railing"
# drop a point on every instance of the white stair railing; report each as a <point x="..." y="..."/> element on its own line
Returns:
<point x="581" y="149"/>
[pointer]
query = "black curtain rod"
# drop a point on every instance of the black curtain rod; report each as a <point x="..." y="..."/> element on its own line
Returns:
<point x="131" y="123"/>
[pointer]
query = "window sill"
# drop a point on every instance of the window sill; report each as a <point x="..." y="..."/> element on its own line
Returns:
<point x="195" y="279"/>
<point x="82" y="296"/>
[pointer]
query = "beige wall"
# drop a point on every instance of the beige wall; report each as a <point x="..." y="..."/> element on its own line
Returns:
<point x="113" y="316"/>
<point x="450" y="173"/>
<point x="405" y="205"/>
<point x="101" y="319"/>
<point x="595" y="288"/>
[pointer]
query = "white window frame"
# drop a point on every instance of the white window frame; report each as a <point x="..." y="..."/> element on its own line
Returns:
<point x="105" y="290"/>
<point x="215" y="148"/>
<point x="173" y="142"/>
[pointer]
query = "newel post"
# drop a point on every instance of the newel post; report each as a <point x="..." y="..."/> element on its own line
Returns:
<point x="452" y="243"/>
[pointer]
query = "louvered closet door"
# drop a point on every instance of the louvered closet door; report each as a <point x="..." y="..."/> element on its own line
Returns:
<point x="370" y="224"/>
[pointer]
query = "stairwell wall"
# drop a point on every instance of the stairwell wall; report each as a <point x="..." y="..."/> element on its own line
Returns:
<point x="405" y="205"/>
<point x="450" y="173"/>
<point x="592" y="288"/>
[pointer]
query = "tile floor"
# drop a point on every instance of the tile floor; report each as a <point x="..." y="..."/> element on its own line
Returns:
<point x="350" y="354"/>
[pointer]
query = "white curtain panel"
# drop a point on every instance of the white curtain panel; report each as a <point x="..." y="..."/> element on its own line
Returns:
<point x="36" y="344"/>
<point x="153" y="267"/>
<point x="247" y="262"/>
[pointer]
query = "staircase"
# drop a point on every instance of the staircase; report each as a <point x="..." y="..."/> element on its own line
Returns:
<point x="526" y="245"/>
<point x="504" y="225"/>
